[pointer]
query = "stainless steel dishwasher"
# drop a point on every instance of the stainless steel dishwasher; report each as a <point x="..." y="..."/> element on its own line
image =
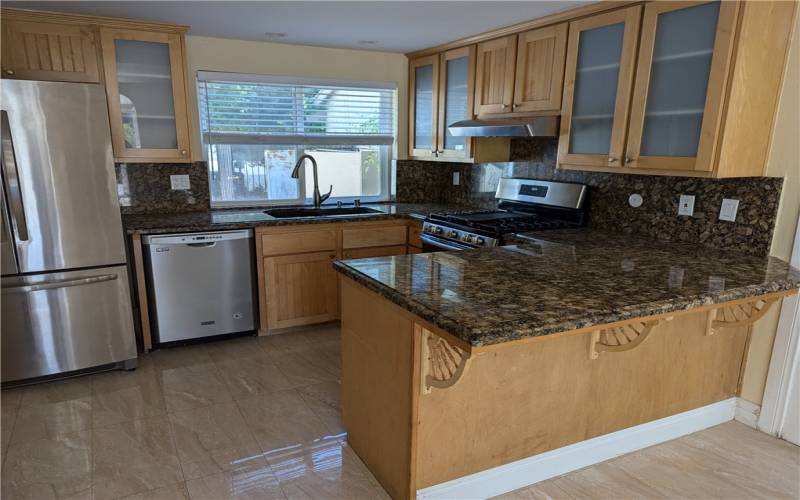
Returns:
<point x="200" y="284"/>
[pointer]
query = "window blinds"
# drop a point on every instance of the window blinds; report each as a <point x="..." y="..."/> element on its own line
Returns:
<point x="278" y="112"/>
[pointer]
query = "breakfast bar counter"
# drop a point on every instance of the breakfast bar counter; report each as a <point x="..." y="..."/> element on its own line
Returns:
<point x="458" y="362"/>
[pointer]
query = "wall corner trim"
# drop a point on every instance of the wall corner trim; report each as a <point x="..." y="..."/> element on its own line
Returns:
<point x="531" y="470"/>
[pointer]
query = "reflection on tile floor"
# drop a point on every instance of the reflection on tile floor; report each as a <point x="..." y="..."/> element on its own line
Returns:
<point x="242" y="418"/>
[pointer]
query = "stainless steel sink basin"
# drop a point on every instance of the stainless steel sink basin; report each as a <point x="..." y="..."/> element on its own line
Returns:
<point x="297" y="212"/>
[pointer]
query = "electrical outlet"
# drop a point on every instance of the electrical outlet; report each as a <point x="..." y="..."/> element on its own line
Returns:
<point x="686" y="205"/>
<point x="456" y="178"/>
<point x="728" y="209"/>
<point x="179" y="182"/>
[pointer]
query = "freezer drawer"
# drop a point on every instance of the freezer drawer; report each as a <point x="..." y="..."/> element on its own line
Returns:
<point x="200" y="284"/>
<point x="59" y="322"/>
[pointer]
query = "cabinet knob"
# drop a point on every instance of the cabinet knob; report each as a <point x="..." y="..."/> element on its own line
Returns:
<point x="9" y="71"/>
<point x="505" y="106"/>
<point x="515" y="106"/>
<point x="611" y="159"/>
<point x="628" y="159"/>
<point x="183" y="152"/>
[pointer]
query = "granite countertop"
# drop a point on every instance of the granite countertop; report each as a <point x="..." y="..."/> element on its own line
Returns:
<point x="222" y="219"/>
<point x="555" y="281"/>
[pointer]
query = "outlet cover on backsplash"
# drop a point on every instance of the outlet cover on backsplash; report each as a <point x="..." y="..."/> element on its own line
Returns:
<point x="148" y="187"/>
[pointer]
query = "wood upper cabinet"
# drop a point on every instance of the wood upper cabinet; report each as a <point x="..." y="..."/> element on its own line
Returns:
<point x="494" y="75"/>
<point x="684" y="57"/>
<point x="301" y="289"/>
<point x="597" y="86"/>
<point x="423" y="91"/>
<point x="703" y="97"/>
<point x="146" y="89"/>
<point x="540" y="69"/>
<point x="456" y="90"/>
<point x="48" y="51"/>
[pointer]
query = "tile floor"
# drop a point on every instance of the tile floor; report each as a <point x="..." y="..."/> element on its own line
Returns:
<point x="730" y="461"/>
<point x="259" y="418"/>
<point x="243" y="418"/>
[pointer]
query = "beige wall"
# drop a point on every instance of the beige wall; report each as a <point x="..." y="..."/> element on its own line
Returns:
<point x="784" y="161"/>
<point x="239" y="56"/>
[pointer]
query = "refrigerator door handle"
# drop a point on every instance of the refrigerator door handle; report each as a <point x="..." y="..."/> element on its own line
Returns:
<point x="11" y="173"/>
<point x="49" y="285"/>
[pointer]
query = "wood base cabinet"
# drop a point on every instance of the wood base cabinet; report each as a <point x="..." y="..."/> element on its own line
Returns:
<point x="301" y="289"/>
<point x="297" y="284"/>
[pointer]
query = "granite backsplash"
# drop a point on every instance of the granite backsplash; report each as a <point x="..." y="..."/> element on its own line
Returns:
<point x="145" y="187"/>
<point x="431" y="182"/>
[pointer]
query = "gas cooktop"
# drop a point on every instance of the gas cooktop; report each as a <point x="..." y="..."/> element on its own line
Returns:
<point x="524" y="205"/>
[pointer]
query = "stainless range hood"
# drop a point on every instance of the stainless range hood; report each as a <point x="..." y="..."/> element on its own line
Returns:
<point x="532" y="126"/>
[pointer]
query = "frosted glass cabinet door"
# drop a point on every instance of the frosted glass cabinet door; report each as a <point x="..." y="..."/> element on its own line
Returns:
<point x="424" y="74"/>
<point x="147" y="105"/>
<point x="598" y="82"/>
<point x="455" y="100"/>
<point x="678" y="88"/>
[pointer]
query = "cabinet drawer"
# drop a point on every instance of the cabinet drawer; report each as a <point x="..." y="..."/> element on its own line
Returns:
<point x="373" y="236"/>
<point x="363" y="253"/>
<point x="298" y="242"/>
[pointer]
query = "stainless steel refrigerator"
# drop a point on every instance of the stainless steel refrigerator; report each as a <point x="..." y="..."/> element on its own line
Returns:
<point x="65" y="294"/>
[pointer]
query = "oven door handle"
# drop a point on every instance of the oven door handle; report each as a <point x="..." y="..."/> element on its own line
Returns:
<point x="440" y="243"/>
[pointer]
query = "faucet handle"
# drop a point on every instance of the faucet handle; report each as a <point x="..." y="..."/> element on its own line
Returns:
<point x="326" y="195"/>
<point x="357" y="202"/>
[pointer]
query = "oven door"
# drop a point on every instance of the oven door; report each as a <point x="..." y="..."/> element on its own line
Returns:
<point x="433" y="244"/>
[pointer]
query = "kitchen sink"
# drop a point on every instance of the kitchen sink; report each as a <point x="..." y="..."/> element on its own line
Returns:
<point x="297" y="212"/>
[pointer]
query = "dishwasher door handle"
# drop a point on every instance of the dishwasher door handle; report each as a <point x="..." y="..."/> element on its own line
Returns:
<point x="207" y="244"/>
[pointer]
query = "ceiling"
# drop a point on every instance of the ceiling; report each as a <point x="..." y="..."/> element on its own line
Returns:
<point x="393" y="26"/>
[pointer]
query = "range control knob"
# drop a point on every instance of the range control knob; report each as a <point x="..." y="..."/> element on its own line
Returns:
<point x="479" y="241"/>
<point x="453" y="234"/>
<point x="437" y="230"/>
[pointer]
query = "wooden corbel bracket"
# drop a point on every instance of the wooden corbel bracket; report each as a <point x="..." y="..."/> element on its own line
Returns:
<point x="735" y="315"/>
<point x="621" y="338"/>
<point x="442" y="363"/>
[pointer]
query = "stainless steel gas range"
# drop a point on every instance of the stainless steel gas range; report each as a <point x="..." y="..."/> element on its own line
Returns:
<point x="523" y="205"/>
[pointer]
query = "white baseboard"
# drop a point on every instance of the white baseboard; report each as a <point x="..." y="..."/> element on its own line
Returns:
<point x="515" y="475"/>
<point x="747" y="413"/>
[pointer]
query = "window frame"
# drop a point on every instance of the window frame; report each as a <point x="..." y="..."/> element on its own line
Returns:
<point x="310" y="141"/>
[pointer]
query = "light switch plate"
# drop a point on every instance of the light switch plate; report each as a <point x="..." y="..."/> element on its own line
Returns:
<point x="179" y="182"/>
<point x="686" y="205"/>
<point x="456" y="178"/>
<point x="728" y="209"/>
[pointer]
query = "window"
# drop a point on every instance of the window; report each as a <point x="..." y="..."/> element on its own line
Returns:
<point x="254" y="128"/>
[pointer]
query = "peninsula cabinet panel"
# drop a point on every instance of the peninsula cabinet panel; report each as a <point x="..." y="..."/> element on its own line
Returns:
<point x="684" y="56"/>
<point x="423" y="91"/>
<point x="540" y="69"/>
<point x="597" y="87"/>
<point x="494" y="75"/>
<point x="300" y="289"/>
<point x="49" y="51"/>
<point x="146" y="90"/>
